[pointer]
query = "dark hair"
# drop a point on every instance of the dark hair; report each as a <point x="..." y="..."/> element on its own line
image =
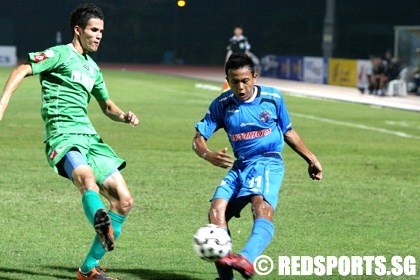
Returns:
<point x="239" y="60"/>
<point x="83" y="13"/>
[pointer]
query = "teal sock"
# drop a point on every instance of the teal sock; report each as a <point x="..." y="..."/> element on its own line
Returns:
<point x="96" y="251"/>
<point x="117" y="222"/>
<point x="262" y="233"/>
<point x="95" y="254"/>
<point x="91" y="203"/>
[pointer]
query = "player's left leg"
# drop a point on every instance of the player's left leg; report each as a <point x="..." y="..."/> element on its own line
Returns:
<point x="116" y="191"/>
<point x="266" y="177"/>
<point x="262" y="230"/>
<point x="261" y="236"/>
<point x="106" y="165"/>
<point x="271" y="172"/>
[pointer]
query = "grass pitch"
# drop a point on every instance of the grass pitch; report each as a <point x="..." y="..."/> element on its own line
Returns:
<point x="367" y="204"/>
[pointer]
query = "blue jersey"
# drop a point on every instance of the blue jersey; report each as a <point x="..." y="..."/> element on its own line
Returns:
<point x="253" y="128"/>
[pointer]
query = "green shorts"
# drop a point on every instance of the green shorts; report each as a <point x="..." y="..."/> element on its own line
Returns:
<point x="99" y="156"/>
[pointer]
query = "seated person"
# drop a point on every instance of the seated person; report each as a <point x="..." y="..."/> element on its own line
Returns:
<point x="377" y="78"/>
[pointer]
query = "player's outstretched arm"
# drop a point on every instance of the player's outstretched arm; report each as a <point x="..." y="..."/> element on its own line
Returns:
<point x="111" y="110"/>
<point x="15" y="78"/>
<point x="293" y="139"/>
<point x="217" y="158"/>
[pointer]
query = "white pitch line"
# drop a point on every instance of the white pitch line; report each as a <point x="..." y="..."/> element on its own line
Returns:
<point x="360" y="126"/>
<point x="208" y="87"/>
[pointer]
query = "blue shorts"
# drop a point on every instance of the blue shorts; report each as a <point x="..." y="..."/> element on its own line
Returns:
<point x="258" y="176"/>
<point x="73" y="159"/>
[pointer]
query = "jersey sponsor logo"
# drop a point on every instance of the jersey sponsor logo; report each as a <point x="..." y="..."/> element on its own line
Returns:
<point x="233" y="111"/>
<point x="40" y="57"/>
<point x="250" y="135"/>
<point x="246" y="124"/>
<point x="81" y="78"/>
<point x="223" y="99"/>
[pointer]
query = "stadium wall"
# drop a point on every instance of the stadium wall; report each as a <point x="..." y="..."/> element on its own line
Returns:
<point x="8" y="56"/>
<point x="332" y="71"/>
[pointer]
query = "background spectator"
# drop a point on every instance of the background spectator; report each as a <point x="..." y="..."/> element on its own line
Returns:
<point x="238" y="43"/>
<point x="377" y="78"/>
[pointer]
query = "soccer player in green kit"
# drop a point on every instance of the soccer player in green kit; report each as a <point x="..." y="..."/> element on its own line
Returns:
<point x="69" y="77"/>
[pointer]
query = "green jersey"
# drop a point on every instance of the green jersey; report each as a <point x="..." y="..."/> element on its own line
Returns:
<point x="68" y="80"/>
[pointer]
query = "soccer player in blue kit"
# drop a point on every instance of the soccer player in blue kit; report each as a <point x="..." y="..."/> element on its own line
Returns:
<point x="257" y="123"/>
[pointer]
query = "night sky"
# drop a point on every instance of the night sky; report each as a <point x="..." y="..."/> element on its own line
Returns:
<point x="142" y="31"/>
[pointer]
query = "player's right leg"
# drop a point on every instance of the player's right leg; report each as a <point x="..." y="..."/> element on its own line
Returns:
<point x="221" y="211"/>
<point x="217" y="216"/>
<point x="232" y="261"/>
<point x="233" y="209"/>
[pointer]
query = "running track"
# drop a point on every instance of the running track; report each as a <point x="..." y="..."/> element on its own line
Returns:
<point x="216" y="74"/>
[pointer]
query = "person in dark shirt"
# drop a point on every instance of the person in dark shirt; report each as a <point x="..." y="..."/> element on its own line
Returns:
<point x="377" y="78"/>
<point x="238" y="43"/>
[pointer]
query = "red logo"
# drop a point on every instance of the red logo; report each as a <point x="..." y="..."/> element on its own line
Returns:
<point x="53" y="154"/>
<point x="40" y="57"/>
<point x="251" y="135"/>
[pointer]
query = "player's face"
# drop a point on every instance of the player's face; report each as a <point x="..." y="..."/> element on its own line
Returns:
<point x="241" y="81"/>
<point x="90" y="37"/>
<point x="237" y="31"/>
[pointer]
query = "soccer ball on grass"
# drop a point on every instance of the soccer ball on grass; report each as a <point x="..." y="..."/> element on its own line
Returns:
<point x="212" y="242"/>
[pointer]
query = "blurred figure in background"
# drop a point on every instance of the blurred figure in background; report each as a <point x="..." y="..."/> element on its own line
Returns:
<point x="377" y="78"/>
<point x="393" y="65"/>
<point x="416" y="77"/>
<point x="238" y="43"/>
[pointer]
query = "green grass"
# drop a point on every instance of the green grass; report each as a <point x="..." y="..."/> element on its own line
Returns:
<point x="367" y="204"/>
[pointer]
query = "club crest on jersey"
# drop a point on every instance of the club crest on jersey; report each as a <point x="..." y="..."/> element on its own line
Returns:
<point x="265" y="116"/>
<point x="53" y="154"/>
<point x="40" y="57"/>
<point x="44" y="56"/>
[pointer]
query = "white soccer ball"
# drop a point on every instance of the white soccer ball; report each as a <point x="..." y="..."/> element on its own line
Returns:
<point x="212" y="242"/>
